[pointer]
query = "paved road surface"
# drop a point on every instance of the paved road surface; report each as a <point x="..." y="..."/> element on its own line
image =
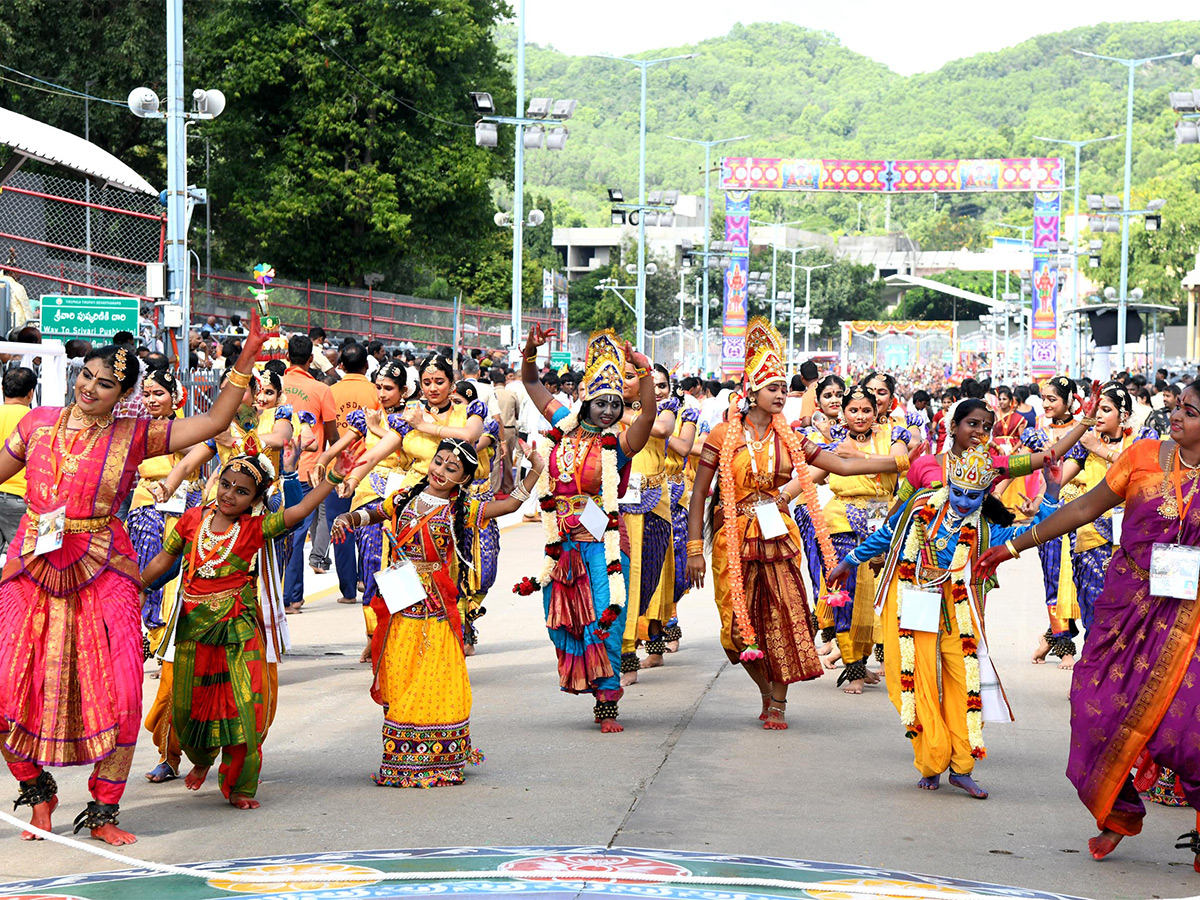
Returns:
<point x="693" y="771"/>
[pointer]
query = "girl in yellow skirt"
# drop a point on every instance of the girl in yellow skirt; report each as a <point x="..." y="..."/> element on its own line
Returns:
<point x="420" y="673"/>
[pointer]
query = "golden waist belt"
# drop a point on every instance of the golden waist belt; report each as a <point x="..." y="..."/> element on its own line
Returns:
<point x="70" y="526"/>
<point x="426" y="567"/>
<point x="571" y="506"/>
<point x="652" y="481"/>
<point x="215" y="602"/>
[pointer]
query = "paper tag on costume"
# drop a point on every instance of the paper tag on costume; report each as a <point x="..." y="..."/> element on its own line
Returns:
<point x="400" y="586"/>
<point x="1175" y="571"/>
<point x="920" y="610"/>
<point x="770" y="522"/>
<point x="594" y="519"/>
<point x="394" y="481"/>
<point x="1118" y="520"/>
<point x="50" y="529"/>
<point x="176" y="503"/>
<point x="633" y="493"/>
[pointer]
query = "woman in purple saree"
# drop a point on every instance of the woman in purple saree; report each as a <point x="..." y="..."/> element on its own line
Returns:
<point x="1137" y="687"/>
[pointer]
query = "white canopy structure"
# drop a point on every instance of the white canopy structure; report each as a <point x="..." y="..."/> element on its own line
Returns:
<point x="31" y="139"/>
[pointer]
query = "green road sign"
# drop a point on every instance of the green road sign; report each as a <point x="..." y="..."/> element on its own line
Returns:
<point x="73" y="316"/>
<point x="560" y="358"/>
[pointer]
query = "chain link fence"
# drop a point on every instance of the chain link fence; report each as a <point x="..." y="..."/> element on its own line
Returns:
<point x="59" y="236"/>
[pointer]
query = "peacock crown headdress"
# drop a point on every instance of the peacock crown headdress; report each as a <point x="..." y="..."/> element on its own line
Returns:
<point x="973" y="471"/>
<point x="604" y="366"/>
<point x="764" y="355"/>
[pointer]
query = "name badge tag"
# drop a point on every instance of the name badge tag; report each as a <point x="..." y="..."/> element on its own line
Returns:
<point x="1118" y="520"/>
<point x="176" y="503"/>
<point x="633" y="493"/>
<point x="1175" y="571"/>
<point x="920" y="610"/>
<point x="594" y="519"/>
<point x="770" y="522"/>
<point x="50" y="529"/>
<point x="400" y="586"/>
<point x="874" y="523"/>
<point x="394" y="480"/>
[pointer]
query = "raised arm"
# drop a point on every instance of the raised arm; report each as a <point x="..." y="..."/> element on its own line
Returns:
<point x="494" y="509"/>
<point x="294" y="515"/>
<point x="197" y="429"/>
<point x="636" y="435"/>
<point x="538" y="395"/>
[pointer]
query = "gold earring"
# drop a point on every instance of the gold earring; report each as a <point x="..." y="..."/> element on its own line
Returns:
<point x="753" y="401"/>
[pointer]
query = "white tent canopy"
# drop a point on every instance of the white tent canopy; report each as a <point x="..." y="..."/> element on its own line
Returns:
<point x="31" y="139"/>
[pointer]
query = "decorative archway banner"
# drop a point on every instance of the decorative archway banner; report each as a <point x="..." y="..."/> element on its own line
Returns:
<point x="1042" y="175"/>
<point x="897" y="176"/>
<point x="900" y="326"/>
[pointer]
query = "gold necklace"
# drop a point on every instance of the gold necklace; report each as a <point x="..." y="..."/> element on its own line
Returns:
<point x="90" y="421"/>
<point x="70" y="459"/>
<point x="218" y="545"/>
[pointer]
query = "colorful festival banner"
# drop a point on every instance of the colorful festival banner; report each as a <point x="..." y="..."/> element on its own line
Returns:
<point x="1043" y="331"/>
<point x="741" y="173"/>
<point x="737" y="278"/>
<point x="900" y="326"/>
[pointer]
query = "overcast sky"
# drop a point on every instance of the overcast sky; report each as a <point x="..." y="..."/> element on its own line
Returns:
<point x="907" y="35"/>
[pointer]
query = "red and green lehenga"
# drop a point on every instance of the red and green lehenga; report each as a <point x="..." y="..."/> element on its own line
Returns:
<point x="222" y="690"/>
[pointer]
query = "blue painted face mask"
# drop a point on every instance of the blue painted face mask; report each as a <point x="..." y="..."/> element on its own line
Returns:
<point x="964" y="501"/>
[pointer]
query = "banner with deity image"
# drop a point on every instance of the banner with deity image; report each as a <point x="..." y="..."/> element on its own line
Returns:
<point x="1043" y="331"/>
<point x="737" y="279"/>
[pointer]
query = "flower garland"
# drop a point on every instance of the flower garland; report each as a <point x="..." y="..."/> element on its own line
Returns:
<point x="733" y="549"/>
<point x="609" y="489"/>
<point x="960" y="597"/>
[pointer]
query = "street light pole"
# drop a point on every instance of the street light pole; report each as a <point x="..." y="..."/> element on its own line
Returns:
<point x="643" y="65"/>
<point x="1078" y="145"/>
<point x="1131" y="65"/>
<point x="708" y="145"/>
<point x="176" y="238"/>
<point x="518" y="220"/>
<point x="808" y="270"/>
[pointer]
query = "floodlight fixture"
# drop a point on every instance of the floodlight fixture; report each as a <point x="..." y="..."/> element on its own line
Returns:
<point x="616" y="195"/>
<point x="143" y="102"/>
<point x="1112" y="225"/>
<point x="482" y="101"/>
<point x="208" y="103"/>
<point x="1136" y="295"/>
<point x="539" y="107"/>
<point x="536" y="217"/>
<point x="1096" y="244"/>
<point x="1187" y="133"/>
<point x="1095" y="201"/>
<point x="651" y="269"/>
<point x="502" y="219"/>
<point x="651" y="218"/>
<point x="670" y="198"/>
<point x="666" y="219"/>
<point x="556" y="139"/>
<point x="617" y="216"/>
<point x="564" y="109"/>
<point x="1185" y="101"/>
<point x="1153" y="223"/>
<point x="535" y="136"/>
<point x="1094" y="261"/>
<point x="1096" y="224"/>
<point x="1110" y="293"/>
<point x="1112" y="201"/>
<point x="1156" y="205"/>
<point x="486" y="134"/>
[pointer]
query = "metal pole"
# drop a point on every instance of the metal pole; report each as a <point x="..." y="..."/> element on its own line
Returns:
<point x="707" y="236"/>
<point x="774" y="276"/>
<point x="1121" y="336"/>
<point x="518" y="222"/>
<point x="640" y="300"/>
<point x="208" y="204"/>
<point x="177" y="170"/>
<point x="87" y="184"/>
<point x="792" y="324"/>
<point x="807" y="305"/>
<point x="681" y="296"/>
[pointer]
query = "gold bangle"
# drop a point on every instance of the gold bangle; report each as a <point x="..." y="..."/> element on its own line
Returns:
<point x="903" y="464"/>
<point x="1037" y="542"/>
<point x="531" y="359"/>
<point x="641" y="373"/>
<point x="695" y="548"/>
<point x="437" y="432"/>
<point x="239" y="379"/>
<point x="1012" y="548"/>
<point x="1089" y="421"/>
<point x="320" y="469"/>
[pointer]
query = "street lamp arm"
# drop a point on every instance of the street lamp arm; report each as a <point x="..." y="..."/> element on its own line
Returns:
<point x="743" y="137"/>
<point x="1130" y="62"/>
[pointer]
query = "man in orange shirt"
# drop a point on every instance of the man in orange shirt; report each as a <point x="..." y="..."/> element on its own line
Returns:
<point x="305" y="393"/>
<point x="352" y="392"/>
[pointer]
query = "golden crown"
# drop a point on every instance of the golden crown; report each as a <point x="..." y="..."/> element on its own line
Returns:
<point x="973" y="470"/>
<point x="764" y="355"/>
<point x="604" y="366"/>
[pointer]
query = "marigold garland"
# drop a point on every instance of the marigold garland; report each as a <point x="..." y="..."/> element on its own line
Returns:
<point x="733" y="549"/>
<point x="966" y="550"/>
<point x="609" y="488"/>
